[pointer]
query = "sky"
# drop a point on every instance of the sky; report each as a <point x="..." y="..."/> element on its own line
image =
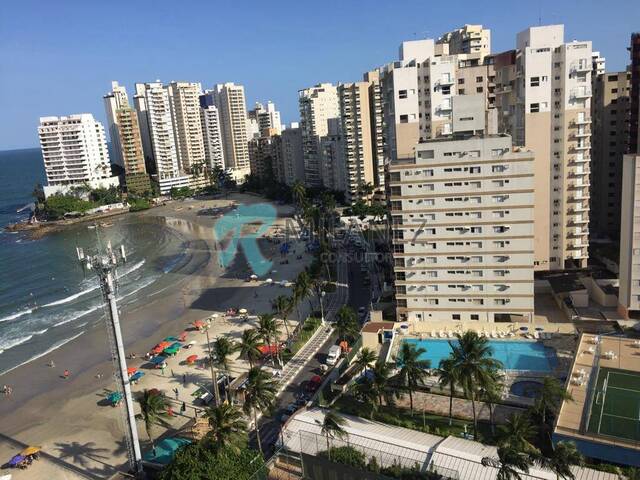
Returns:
<point x="59" y="57"/>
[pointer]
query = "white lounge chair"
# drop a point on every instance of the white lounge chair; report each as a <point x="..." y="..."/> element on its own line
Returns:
<point x="433" y="334"/>
<point x="442" y="335"/>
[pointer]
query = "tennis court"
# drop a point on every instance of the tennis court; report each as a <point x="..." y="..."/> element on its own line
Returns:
<point x="616" y="404"/>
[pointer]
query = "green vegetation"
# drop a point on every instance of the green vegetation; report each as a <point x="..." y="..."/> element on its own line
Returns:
<point x="180" y="193"/>
<point x="153" y="410"/>
<point x="138" y="204"/>
<point x="56" y="206"/>
<point x="198" y="462"/>
<point x="347" y="455"/>
<point x="310" y="326"/>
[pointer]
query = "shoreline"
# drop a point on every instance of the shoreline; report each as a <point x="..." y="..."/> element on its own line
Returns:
<point x="45" y="407"/>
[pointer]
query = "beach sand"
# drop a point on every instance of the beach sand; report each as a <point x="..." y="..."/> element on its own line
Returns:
<point x="82" y="436"/>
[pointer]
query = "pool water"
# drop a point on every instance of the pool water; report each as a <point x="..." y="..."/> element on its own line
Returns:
<point x="514" y="355"/>
<point x="526" y="388"/>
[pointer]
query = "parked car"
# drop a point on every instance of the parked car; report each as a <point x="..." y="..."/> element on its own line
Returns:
<point x="333" y="355"/>
<point x="288" y="411"/>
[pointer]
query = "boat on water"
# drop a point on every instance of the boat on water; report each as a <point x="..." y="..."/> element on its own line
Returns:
<point x="105" y="225"/>
<point x="91" y="227"/>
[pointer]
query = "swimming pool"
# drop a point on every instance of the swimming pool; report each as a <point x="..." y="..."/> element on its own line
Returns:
<point x="514" y="355"/>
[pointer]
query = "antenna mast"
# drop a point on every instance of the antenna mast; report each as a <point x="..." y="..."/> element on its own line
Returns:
<point x="104" y="265"/>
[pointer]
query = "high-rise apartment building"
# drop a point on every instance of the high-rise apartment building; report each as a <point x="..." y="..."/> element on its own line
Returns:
<point x="357" y="133"/>
<point x="469" y="39"/>
<point x="629" y="289"/>
<point x="211" y="132"/>
<point x="634" y="94"/>
<point x="267" y="119"/>
<point x="317" y="105"/>
<point x="155" y="118"/>
<point x="184" y="98"/>
<point x="289" y="165"/>
<point x="113" y="101"/>
<point x="332" y="157"/>
<point x="462" y="226"/>
<point x="74" y="150"/>
<point x="232" y="111"/>
<point x="126" y="139"/>
<point x="609" y="143"/>
<point x="551" y="116"/>
<point x="262" y="158"/>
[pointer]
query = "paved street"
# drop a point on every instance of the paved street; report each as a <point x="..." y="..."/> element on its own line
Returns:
<point x="350" y="290"/>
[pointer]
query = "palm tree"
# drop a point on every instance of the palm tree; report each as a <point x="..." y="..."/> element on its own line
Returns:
<point x="282" y="305"/>
<point x="562" y="458"/>
<point x="249" y="346"/>
<point x="153" y="410"/>
<point x="518" y="432"/>
<point x="227" y="427"/>
<point x="299" y="193"/>
<point x="380" y="381"/>
<point x="223" y="348"/>
<point x="259" y="395"/>
<point x="448" y="377"/>
<point x="473" y="360"/>
<point x="269" y="331"/>
<point x="346" y="323"/>
<point x="365" y="391"/>
<point x="491" y="393"/>
<point x="510" y="463"/>
<point x="412" y="369"/>
<point x="365" y="358"/>
<point x="332" y="426"/>
<point x="303" y="287"/>
<point x="552" y="394"/>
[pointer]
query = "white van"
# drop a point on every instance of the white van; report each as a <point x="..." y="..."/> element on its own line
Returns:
<point x="333" y="355"/>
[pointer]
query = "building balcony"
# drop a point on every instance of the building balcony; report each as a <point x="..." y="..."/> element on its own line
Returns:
<point x="583" y="147"/>
<point x="578" y="135"/>
<point x="575" y="173"/>
<point x="581" y="93"/>
<point x="578" y="122"/>
<point x="578" y="209"/>
<point x="578" y="67"/>
<point x="503" y="89"/>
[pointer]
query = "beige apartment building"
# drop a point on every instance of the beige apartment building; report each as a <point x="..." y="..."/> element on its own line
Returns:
<point x="289" y="164"/>
<point x="629" y="290"/>
<point x="471" y="39"/>
<point x="462" y="226"/>
<point x="113" y="101"/>
<point x="553" y="119"/>
<point x="357" y="135"/>
<point x="609" y="143"/>
<point x="232" y="111"/>
<point x="184" y="99"/>
<point x="317" y="105"/>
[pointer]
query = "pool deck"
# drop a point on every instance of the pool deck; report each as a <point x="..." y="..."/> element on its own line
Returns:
<point x="591" y="354"/>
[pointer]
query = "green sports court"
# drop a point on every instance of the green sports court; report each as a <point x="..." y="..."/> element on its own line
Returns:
<point x="615" y="410"/>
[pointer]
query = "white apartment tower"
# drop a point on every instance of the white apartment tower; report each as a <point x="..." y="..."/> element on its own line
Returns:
<point x="462" y="228"/>
<point x="153" y="107"/>
<point x="232" y="111"/>
<point x="472" y="39"/>
<point x="629" y="290"/>
<point x="113" y="101"/>
<point x="74" y="150"/>
<point x="317" y="104"/>
<point x="211" y="131"/>
<point x="552" y="118"/>
<point x="184" y="98"/>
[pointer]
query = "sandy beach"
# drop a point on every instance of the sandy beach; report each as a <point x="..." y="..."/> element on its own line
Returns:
<point x="80" y="434"/>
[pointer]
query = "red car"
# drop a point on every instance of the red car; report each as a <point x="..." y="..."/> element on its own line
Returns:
<point x="314" y="383"/>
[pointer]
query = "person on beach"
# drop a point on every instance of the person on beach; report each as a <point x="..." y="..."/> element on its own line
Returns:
<point x="175" y="390"/>
<point x="184" y="379"/>
<point x="162" y="370"/>
<point x="52" y="364"/>
<point x="183" y="408"/>
<point x="66" y="374"/>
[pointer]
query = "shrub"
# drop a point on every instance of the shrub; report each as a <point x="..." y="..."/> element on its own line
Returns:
<point x="138" y="204"/>
<point x="346" y="456"/>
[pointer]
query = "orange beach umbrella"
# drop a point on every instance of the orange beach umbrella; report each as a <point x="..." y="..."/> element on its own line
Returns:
<point x="131" y="370"/>
<point x="199" y="324"/>
<point x="192" y="358"/>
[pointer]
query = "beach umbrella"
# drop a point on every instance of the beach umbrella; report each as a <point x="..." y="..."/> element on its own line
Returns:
<point x="164" y="344"/>
<point x="254" y="277"/>
<point x="131" y="370"/>
<point x="30" y="451"/>
<point x="269" y="280"/>
<point x="16" y="460"/>
<point x="193" y="342"/>
<point x="192" y="358"/>
<point x="199" y="324"/>
<point x="171" y="339"/>
<point x="214" y="316"/>
<point x="242" y="311"/>
<point x="183" y="336"/>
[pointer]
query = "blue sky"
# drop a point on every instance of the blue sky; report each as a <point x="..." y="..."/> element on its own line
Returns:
<point x="59" y="57"/>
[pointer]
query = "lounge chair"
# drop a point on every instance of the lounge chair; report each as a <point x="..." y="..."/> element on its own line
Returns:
<point x="442" y="335"/>
<point x="433" y="334"/>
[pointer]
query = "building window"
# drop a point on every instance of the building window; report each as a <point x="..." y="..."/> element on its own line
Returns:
<point x="533" y="108"/>
<point x="478" y="79"/>
<point x="475" y="316"/>
<point x="402" y="94"/>
<point x="461" y="81"/>
<point x="455" y="316"/>
<point x="535" y="81"/>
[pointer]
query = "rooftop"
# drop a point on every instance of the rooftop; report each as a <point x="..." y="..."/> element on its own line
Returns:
<point x="452" y="457"/>
<point x="375" y="327"/>
<point x="594" y="384"/>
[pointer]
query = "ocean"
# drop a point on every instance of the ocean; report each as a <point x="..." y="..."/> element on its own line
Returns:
<point x="46" y="299"/>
